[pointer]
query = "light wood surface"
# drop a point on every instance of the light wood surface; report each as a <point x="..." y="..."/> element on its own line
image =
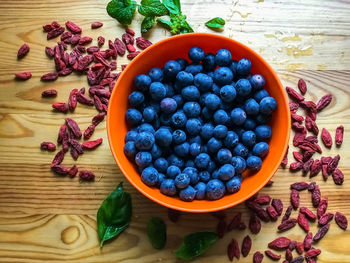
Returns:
<point x="45" y="218"/>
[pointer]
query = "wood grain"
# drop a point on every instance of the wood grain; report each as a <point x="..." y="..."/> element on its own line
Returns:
<point x="49" y="218"/>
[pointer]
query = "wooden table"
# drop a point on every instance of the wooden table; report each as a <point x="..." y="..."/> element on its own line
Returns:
<point x="45" y="218"/>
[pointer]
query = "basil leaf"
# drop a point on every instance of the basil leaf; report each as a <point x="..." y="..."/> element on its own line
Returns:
<point x="156" y="231"/>
<point x="165" y="23"/>
<point x="122" y="10"/>
<point x="114" y="214"/>
<point x="195" y="244"/>
<point x="186" y="28"/>
<point x="147" y="23"/>
<point x="173" y="6"/>
<point x="216" y="22"/>
<point x="152" y="8"/>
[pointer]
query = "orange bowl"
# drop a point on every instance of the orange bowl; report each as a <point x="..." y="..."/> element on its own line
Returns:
<point x="177" y="47"/>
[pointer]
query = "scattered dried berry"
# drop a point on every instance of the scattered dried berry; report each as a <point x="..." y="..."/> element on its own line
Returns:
<point x="299" y="259"/>
<point x="311" y="125"/>
<point x="279" y="243"/>
<point x="299" y="186"/>
<point x="294" y="198"/>
<point x="49" y="93"/>
<point x="96" y="24"/>
<point x="321" y="233"/>
<point x="233" y="250"/>
<point x="309" y="214"/>
<point x="51" y="76"/>
<point x="322" y="207"/>
<point x="60" y="169"/>
<point x="302" y="86"/>
<point x="339" y="134"/>
<point x="278" y="205"/>
<point x="258" y="257"/>
<point x="263" y="199"/>
<point x="289" y="255"/>
<point x="23" y="75"/>
<point x="307" y="241"/>
<point x="234" y="223"/>
<point x="324" y="102"/>
<point x="333" y="164"/>
<point x="294" y="94"/>
<point x="89" y="131"/>
<point x="86" y="175"/>
<point x="341" y="220"/>
<point x="298" y="156"/>
<point x="316" y="196"/>
<point x="315" y="168"/>
<point x="74" y="127"/>
<point x="143" y="43"/>
<point x="325" y="219"/>
<point x="72" y="172"/>
<point x="312" y="253"/>
<point x="272" y="212"/>
<point x="296" y="166"/>
<point x="221" y="228"/>
<point x="60" y="106"/>
<point x="287" y="224"/>
<point x="258" y="209"/>
<point x="58" y="158"/>
<point x="49" y="146"/>
<point x="22" y="51"/>
<point x="300" y="247"/>
<point x="246" y="245"/>
<point x="324" y="172"/>
<point x="272" y="255"/>
<point x="302" y="221"/>
<point x="311" y="186"/>
<point x="287" y="213"/>
<point x="254" y="224"/>
<point x="55" y="33"/>
<point x="338" y="176"/>
<point x="73" y="27"/>
<point x="326" y="138"/>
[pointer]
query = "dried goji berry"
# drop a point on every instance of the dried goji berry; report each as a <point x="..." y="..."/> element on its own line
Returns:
<point x="312" y="253"/>
<point x="302" y="221"/>
<point x="299" y="186"/>
<point x="279" y="243"/>
<point x="233" y="250"/>
<point x="326" y="138"/>
<point x="132" y="55"/>
<point x="310" y="215"/>
<point x="324" y="102"/>
<point x="339" y="133"/>
<point x="23" y="75"/>
<point x="258" y="257"/>
<point x="143" y="43"/>
<point x="294" y="198"/>
<point x="58" y="158"/>
<point x="287" y="213"/>
<point x="333" y="164"/>
<point x="263" y="199"/>
<point x="246" y="245"/>
<point x="302" y="86"/>
<point x="307" y="165"/>
<point x="60" y="106"/>
<point x="72" y="100"/>
<point x="341" y="220"/>
<point x="74" y="127"/>
<point x="86" y="175"/>
<point x="73" y="27"/>
<point x="296" y="166"/>
<point x="278" y="205"/>
<point x="49" y="76"/>
<point x="287" y="224"/>
<point x="321" y="233"/>
<point x="298" y="156"/>
<point x="96" y="24"/>
<point x="272" y="255"/>
<point x="254" y="224"/>
<point x="221" y="228"/>
<point x="338" y="176"/>
<point x="315" y="168"/>
<point x="55" y="33"/>
<point x="325" y="219"/>
<point x="322" y="207"/>
<point x="60" y="169"/>
<point x="316" y="196"/>
<point x="299" y="259"/>
<point x="72" y="172"/>
<point x="89" y="131"/>
<point x="49" y="146"/>
<point x="293" y="106"/>
<point x="272" y="212"/>
<point x="299" y="247"/>
<point x="22" y="51"/>
<point x="307" y="241"/>
<point x="289" y="255"/>
<point x="130" y="48"/>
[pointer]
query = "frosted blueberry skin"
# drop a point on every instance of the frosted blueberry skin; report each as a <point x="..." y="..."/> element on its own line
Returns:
<point x="136" y="98"/>
<point x="176" y="161"/>
<point x="142" y="82"/>
<point x="171" y="69"/>
<point x="163" y="137"/>
<point x="261" y="149"/>
<point x="130" y="149"/>
<point x="156" y="152"/>
<point x="143" y="159"/>
<point x="192" y="173"/>
<point x="268" y="105"/>
<point x="209" y="62"/>
<point x="260" y="94"/>
<point x="223" y="76"/>
<point x="145" y="127"/>
<point x="263" y="119"/>
<point x="207" y="131"/>
<point x="182" y="181"/>
<point x="149" y="114"/>
<point x="200" y="190"/>
<point x="234" y="184"/>
<point x="184" y="79"/>
<point x="212" y="102"/>
<point x="195" y="139"/>
<point x="263" y="132"/>
<point x="144" y="141"/>
<point x="243" y="87"/>
<point x="149" y="176"/>
<point x="248" y="138"/>
<point x="238" y="116"/>
<point x="194" y="68"/>
<point x="249" y="124"/>
<point x="167" y="187"/>
<point x="231" y="139"/>
<point x="188" y="194"/>
<point x="161" y="164"/>
<point x="228" y="93"/>
<point x="157" y="91"/>
<point x="240" y="150"/>
<point x="257" y="81"/>
<point x="178" y="119"/>
<point x="179" y="100"/>
<point x="226" y="172"/>
<point x="204" y="176"/>
<point x="203" y="82"/>
<point x="195" y="149"/>
<point x="190" y="163"/>
<point x="173" y="171"/>
<point x="220" y="131"/>
<point x="133" y="117"/>
<point x="161" y="178"/>
<point x="193" y="126"/>
<point x="182" y="149"/>
<point x="214" y="145"/>
<point x="192" y="109"/>
<point x="215" y="189"/>
<point x="224" y="156"/>
<point x="202" y="161"/>
<point x="131" y="136"/>
<point x="254" y="163"/>
<point x="190" y="93"/>
<point x="233" y="67"/>
<point x="179" y="136"/>
<point x="168" y="105"/>
<point x="223" y="58"/>
<point x="183" y="62"/>
<point x="196" y="54"/>
<point x="251" y="107"/>
<point x="156" y="74"/>
<point x="221" y="117"/>
<point x="243" y="67"/>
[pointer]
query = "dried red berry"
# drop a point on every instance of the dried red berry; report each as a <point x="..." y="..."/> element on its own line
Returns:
<point x="294" y="94"/>
<point x="310" y="215"/>
<point x="326" y="138"/>
<point x="311" y="186"/>
<point x="333" y="164"/>
<point x="49" y="146"/>
<point x="89" y="131"/>
<point x="84" y="100"/>
<point x="49" y="76"/>
<point x="60" y="169"/>
<point x="316" y="196"/>
<point x="92" y="49"/>
<point x="263" y="199"/>
<point x="294" y="198"/>
<point x="130" y="31"/>
<point x="258" y="257"/>
<point x="75" y="39"/>
<point x="311" y="125"/>
<point x="128" y="39"/>
<point x="300" y="247"/>
<point x="58" y="158"/>
<point x="321" y="233"/>
<point x="278" y="205"/>
<point x="143" y="43"/>
<point x="221" y="215"/>
<point x="272" y="255"/>
<point x="296" y="126"/>
<point x="312" y="253"/>
<point x="132" y="55"/>
<point x="74" y="128"/>
<point x="293" y="106"/>
<point x="130" y="48"/>
<point x="307" y="241"/>
<point x="325" y="219"/>
<point x="292" y="245"/>
<point x="299" y="186"/>
<point x="287" y="224"/>
<point x="324" y="172"/>
<point x="73" y="27"/>
<point x="55" y="33"/>
<point x="339" y="133"/>
<point x="23" y="75"/>
<point x="341" y="220"/>
<point x="72" y="100"/>
<point x="302" y="86"/>
<point x="279" y="243"/>
<point x="233" y="250"/>
<point x="324" y="102"/>
<point x="86" y="175"/>
<point x="76" y="148"/>
<point x="60" y="106"/>
<point x="269" y="183"/>
<point x="322" y="207"/>
<point x="22" y="51"/>
<point x="296" y="166"/>
<point x="246" y="245"/>
<point x="299" y="259"/>
<point x="234" y="223"/>
<point x="72" y="172"/>
<point x="98" y="118"/>
<point x="254" y="224"/>
<point x="289" y="255"/>
<point x="287" y="213"/>
<point x="285" y="159"/>
<point x="303" y="223"/>
<point x="272" y="212"/>
<point x="100" y="41"/>
<point x="96" y="24"/>
<point x="120" y="46"/>
<point x="49" y="52"/>
<point x="221" y="228"/>
<point x="260" y="212"/>
<point x="298" y="156"/>
<point x="173" y="215"/>
<point x="338" y="176"/>
<point x="85" y="40"/>
<point x="315" y="168"/>
<point x="299" y="137"/>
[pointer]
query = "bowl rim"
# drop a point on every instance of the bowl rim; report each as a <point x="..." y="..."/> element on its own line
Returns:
<point x="221" y="207"/>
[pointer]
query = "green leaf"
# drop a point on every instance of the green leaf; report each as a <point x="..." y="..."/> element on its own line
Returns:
<point x="165" y="23"/>
<point x="122" y="10"/>
<point x="195" y="244"/>
<point x="147" y="23"/>
<point x="173" y="6"/>
<point x="152" y="8"/>
<point x="114" y="214"/>
<point x="216" y="22"/>
<point x="156" y="231"/>
<point x="186" y="28"/>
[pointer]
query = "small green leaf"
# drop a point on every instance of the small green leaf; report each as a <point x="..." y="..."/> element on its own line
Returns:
<point x="152" y="8"/>
<point x="114" y="214"/>
<point x="186" y="28"/>
<point x="122" y="10"/>
<point x="216" y="22"/>
<point x="147" y="23"/>
<point x="195" y="244"/>
<point x="173" y="6"/>
<point x="165" y="23"/>
<point x="156" y="231"/>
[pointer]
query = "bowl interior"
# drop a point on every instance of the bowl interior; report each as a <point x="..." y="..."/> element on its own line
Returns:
<point x="177" y="47"/>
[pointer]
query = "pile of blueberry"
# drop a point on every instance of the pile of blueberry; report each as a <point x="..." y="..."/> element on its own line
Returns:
<point x="196" y="127"/>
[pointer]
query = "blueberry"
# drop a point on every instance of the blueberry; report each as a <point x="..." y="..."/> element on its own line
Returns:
<point x="178" y="119"/>
<point x="182" y="149"/>
<point x="262" y="118"/>
<point x="257" y="81"/>
<point x="169" y="90"/>
<point x="193" y="126"/>
<point x="261" y="149"/>
<point x="214" y="145"/>
<point x="223" y="76"/>
<point x="206" y="113"/>
<point x="243" y="87"/>
<point x="263" y="132"/>
<point x="211" y="166"/>
<point x="215" y="174"/>
<point x="130" y="149"/>
<point x="233" y="185"/>
<point x="248" y="138"/>
<point x="204" y="176"/>
<point x="146" y="127"/>
<point x="131" y="136"/>
<point x="187" y="194"/>
<point x="238" y="116"/>
<point x="200" y="190"/>
<point x="172" y="171"/>
<point x="183" y="62"/>
<point x="260" y="94"/>
<point x="202" y="98"/>
<point x="161" y="178"/>
<point x="249" y="124"/>
<point x="240" y="150"/>
<point x="215" y="89"/>
<point x="133" y="117"/>
<point x="233" y="67"/>
<point x="195" y="139"/>
<point x="155" y="105"/>
<point x="156" y="152"/>
<point x="220" y="131"/>
<point x="195" y="149"/>
<point x="176" y="161"/>
<point x="196" y="54"/>
<point x="149" y="114"/>
<point x="179" y="100"/>
<point x="221" y="117"/>
<point x="161" y="164"/>
<point x="194" y="68"/>
<point x="226" y="172"/>
<point x="224" y="156"/>
<point x="189" y="163"/>
<point x="202" y="160"/>
<point x="167" y="187"/>
<point x="192" y="109"/>
<point x="142" y="82"/>
<point x="215" y="189"/>
<point x="179" y="136"/>
<point x="268" y="105"/>
<point x="184" y="78"/>
<point x="243" y="67"/>
<point x="168" y="105"/>
<point x="192" y="173"/>
<point x="254" y="163"/>
<point x="163" y="137"/>
<point x="227" y="93"/>
<point x="203" y="82"/>
<point x="156" y="74"/>
<point x="207" y="131"/>
<point x="149" y="176"/>
<point x="209" y="62"/>
<point x="170" y="70"/>
<point x="239" y="132"/>
<point x="204" y="149"/>
<point x="136" y="98"/>
<point x="165" y="119"/>
<point x="190" y="93"/>
<point x="231" y="139"/>
<point x="251" y="107"/>
<point x="238" y="163"/>
<point x="182" y="181"/>
<point x="223" y="57"/>
<point x="143" y="159"/>
<point x="157" y="91"/>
